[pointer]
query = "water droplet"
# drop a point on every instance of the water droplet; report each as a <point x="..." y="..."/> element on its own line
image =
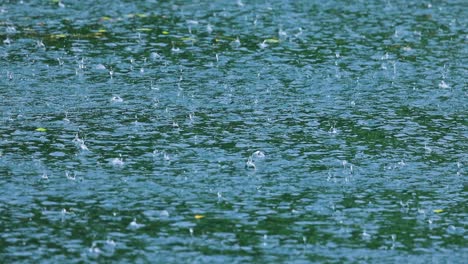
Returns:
<point x="263" y="45"/>
<point x="365" y="235"/>
<point x="209" y="28"/>
<point x="11" y="30"/>
<point x="443" y="85"/>
<point x="134" y="225"/>
<point x="155" y="56"/>
<point x="69" y="176"/>
<point x="40" y="44"/>
<point x="117" y="161"/>
<point x="111" y="242"/>
<point x="250" y="164"/>
<point x="166" y="156"/>
<point x="258" y="154"/>
<point x="117" y="99"/>
<point x="427" y="149"/>
<point x="236" y="43"/>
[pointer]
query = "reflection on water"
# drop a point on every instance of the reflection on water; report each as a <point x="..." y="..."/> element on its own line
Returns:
<point x="233" y="131"/>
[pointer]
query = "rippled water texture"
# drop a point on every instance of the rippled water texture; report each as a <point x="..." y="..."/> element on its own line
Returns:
<point x="254" y="131"/>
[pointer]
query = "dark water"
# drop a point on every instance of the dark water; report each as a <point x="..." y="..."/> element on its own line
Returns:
<point x="262" y="131"/>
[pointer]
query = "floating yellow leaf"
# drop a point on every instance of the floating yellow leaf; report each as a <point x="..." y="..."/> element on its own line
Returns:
<point x="165" y="32"/>
<point x="41" y="129"/>
<point x="144" y="29"/>
<point x="106" y="18"/>
<point x="101" y="30"/>
<point x="199" y="216"/>
<point x="438" y="211"/>
<point x="58" y="36"/>
<point x="271" y="40"/>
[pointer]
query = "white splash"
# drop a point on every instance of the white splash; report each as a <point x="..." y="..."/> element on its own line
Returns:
<point x="236" y="43"/>
<point x="443" y="85"/>
<point x="263" y="45"/>
<point x="250" y="164"/>
<point x="117" y="99"/>
<point x="40" y="44"/>
<point x="80" y="143"/>
<point x="282" y="34"/>
<point x="209" y="28"/>
<point x="155" y="56"/>
<point x="166" y="156"/>
<point x="94" y="250"/>
<point x="258" y="154"/>
<point x="117" y="161"/>
<point x="134" y="225"/>
<point x="69" y="176"/>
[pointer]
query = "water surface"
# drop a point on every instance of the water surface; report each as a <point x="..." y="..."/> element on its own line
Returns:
<point x="255" y="131"/>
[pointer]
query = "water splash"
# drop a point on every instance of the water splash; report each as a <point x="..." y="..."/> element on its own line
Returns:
<point x="118" y="161"/>
<point x="263" y="45"/>
<point x="134" y="225"/>
<point x="250" y="164"/>
<point x="443" y="85"/>
<point x="116" y="99"/>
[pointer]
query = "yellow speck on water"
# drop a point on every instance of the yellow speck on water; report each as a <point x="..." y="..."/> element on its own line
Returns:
<point x="271" y="40"/>
<point x="41" y="129"/>
<point x="199" y="216"/>
<point x="58" y="36"/>
<point x="165" y="32"/>
<point x="144" y="29"/>
<point x="106" y="18"/>
<point x="141" y="15"/>
<point x="438" y="211"/>
<point x="101" y="30"/>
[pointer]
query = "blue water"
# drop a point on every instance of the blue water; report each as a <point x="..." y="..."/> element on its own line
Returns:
<point x="254" y="131"/>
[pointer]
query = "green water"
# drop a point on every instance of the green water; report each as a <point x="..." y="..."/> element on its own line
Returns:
<point x="233" y="132"/>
